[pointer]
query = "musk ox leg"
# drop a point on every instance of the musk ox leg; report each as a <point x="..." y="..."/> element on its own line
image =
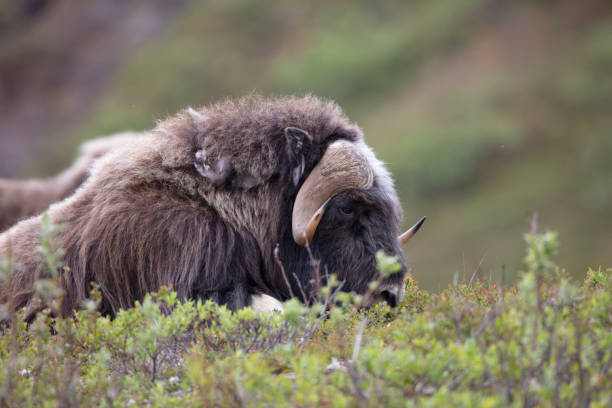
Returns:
<point x="264" y="303"/>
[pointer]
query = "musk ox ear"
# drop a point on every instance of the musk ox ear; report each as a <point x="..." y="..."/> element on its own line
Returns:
<point x="217" y="173"/>
<point x="223" y="173"/>
<point x="298" y="143"/>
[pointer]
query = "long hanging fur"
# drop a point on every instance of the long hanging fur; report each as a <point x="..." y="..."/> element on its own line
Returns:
<point x="199" y="204"/>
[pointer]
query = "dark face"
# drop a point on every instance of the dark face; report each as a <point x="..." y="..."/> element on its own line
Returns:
<point x="355" y="226"/>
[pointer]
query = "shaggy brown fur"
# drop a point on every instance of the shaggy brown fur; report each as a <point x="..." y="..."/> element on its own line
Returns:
<point x="200" y="203"/>
<point x="20" y="199"/>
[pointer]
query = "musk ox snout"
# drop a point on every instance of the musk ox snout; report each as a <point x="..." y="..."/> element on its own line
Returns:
<point x="390" y="294"/>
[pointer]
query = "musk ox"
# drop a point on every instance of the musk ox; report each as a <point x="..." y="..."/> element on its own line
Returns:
<point x="204" y="201"/>
<point x="20" y="199"/>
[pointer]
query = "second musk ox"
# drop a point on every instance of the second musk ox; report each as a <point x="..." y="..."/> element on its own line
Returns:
<point x="20" y="199"/>
<point x="201" y="202"/>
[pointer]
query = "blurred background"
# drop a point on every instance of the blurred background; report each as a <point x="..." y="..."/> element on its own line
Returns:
<point x="485" y="111"/>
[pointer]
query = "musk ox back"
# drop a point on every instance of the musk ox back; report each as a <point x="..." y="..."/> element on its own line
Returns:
<point x="201" y="203"/>
<point x="20" y="199"/>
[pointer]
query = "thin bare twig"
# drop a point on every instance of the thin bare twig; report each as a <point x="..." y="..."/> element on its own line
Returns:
<point x="477" y="268"/>
<point x="306" y="299"/>
<point x="358" y="338"/>
<point x="324" y="315"/>
<point x="352" y="364"/>
<point x="315" y="270"/>
<point x="282" y="268"/>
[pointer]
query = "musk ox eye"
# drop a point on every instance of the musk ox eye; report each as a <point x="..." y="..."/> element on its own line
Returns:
<point x="346" y="210"/>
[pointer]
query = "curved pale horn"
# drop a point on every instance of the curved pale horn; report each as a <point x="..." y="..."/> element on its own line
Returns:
<point x="405" y="237"/>
<point x="342" y="167"/>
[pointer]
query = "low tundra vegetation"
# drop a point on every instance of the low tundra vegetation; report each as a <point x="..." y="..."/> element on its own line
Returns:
<point x="545" y="342"/>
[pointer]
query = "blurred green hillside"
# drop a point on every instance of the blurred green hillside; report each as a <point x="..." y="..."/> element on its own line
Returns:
<point x="485" y="111"/>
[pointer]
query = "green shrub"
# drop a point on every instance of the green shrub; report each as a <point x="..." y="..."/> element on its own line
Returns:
<point x="545" y="342"/>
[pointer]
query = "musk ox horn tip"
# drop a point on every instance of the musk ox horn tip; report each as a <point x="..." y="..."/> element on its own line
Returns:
<point x="419" y="223"/>
<point x="406" y="236"/>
